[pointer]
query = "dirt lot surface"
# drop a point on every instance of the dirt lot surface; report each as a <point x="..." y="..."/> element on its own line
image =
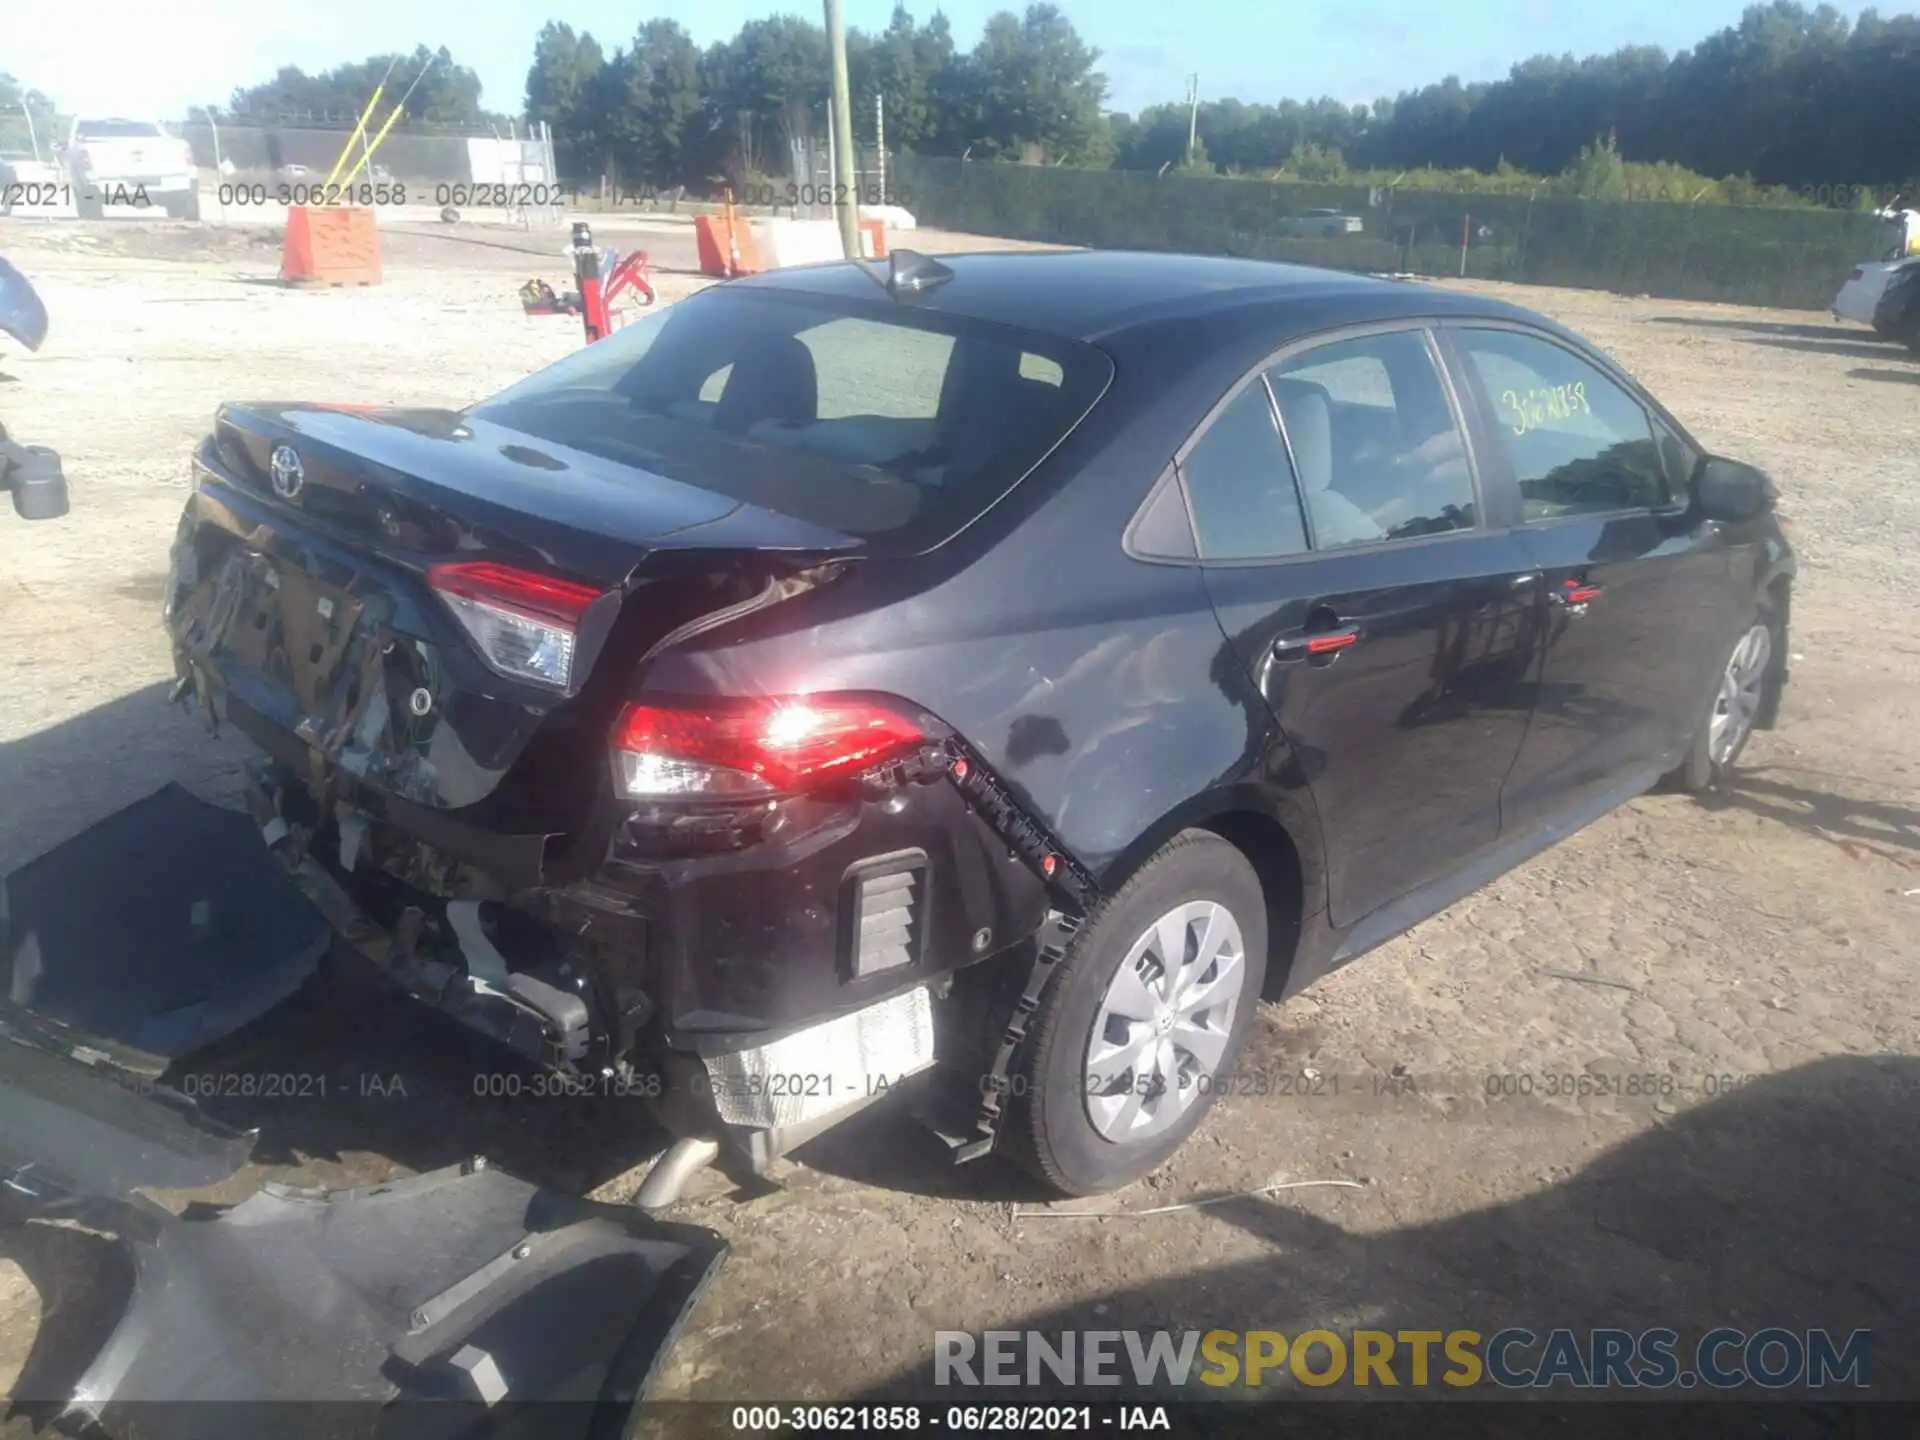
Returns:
<point x="1753" y="955"/>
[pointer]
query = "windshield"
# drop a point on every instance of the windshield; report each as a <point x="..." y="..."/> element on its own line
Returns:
<point x="885" y="423"/>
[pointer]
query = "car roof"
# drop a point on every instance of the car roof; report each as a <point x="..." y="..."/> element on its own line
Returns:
<point x="1095" y="294"/>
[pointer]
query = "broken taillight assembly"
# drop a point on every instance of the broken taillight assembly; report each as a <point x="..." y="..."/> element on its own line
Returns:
<point x="768" y="746"/>
<point x="525" y="625"/>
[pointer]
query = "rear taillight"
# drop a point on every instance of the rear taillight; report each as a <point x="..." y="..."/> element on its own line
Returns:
<point x="774" y="745"/>
<point x="525" y="625"/>
<point x="83" y="158"/>
<point x="186" y="156"/>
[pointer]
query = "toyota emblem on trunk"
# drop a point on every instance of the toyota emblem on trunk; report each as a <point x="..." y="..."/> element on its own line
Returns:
<point x="286" y="471"/>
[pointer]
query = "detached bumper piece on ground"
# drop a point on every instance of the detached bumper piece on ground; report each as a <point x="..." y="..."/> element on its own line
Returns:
<point x="460" y="1302"/>
<point x="158" y="931"/>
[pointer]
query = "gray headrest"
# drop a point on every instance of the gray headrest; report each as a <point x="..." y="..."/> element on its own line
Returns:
<point x="1307" y="413"/>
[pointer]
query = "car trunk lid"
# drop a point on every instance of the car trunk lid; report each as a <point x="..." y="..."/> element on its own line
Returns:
<point x="309" y="599"/>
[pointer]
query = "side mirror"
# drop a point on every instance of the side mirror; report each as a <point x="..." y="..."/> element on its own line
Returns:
<point x="1730" y="491"/>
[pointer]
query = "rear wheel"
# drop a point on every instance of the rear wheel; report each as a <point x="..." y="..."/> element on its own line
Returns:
<point x="187" y="207"/>
<point x="1143" y="1021"/>
<point x="1736" y="704"/>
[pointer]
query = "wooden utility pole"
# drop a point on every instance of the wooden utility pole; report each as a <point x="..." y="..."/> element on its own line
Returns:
<point x="841" y="120"/>
<point x="1193" y="114"/>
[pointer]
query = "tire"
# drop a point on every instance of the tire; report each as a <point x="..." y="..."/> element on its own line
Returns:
<point x="1052" y="1130"/>
<point x="1709" y="757"/>
<point x="186" y="208"/>
<point x="87" y="205"/>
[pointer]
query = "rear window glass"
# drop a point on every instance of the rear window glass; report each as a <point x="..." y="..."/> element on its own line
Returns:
<point x="119" y="130"/>
<point x="892" y="425"/>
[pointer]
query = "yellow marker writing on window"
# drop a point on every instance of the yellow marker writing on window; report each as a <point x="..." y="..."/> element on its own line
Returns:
<point x="1533" y="408"/>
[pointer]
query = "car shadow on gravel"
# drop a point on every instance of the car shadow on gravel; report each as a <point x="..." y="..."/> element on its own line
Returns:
<point x="1897" y="377"/>
<point x="350" y="1071"/>
<point x="1765" y="327"/>
<point x="1789" y="1202"/>
<point x="59" y="780"/>
<point x="1849" y="348"/>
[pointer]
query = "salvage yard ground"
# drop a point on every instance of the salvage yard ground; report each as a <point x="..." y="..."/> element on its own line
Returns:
<point x="1753" y="955"/>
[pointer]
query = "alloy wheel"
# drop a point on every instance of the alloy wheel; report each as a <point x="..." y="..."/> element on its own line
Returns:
<point x="1742" y="686"/>
<point x="1165" y="1022"/>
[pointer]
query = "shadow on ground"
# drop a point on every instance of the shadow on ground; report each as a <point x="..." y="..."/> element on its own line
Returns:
<point x="1844" y="340"/>
<point x="1787" y="1202"/>
<point x="352" y="1073"/>
<point x="1896" y="377"/>
<point x="58" y="781"/>
<point x="1849" y="348"/>
<point x="1765" y="327"/>
<point x="1773" y="794"/>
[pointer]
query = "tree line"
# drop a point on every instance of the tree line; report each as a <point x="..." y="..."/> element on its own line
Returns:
<point x="1787" y="97"/>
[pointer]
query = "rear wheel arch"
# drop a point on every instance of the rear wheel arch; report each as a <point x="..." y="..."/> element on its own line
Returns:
<point x="1279" y="849"/>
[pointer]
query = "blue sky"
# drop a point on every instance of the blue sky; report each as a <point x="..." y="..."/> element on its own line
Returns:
<point x="147" y="56"/>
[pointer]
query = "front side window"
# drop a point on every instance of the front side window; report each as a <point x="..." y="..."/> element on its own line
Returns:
<point x="1374" y="441"/>
<point x="1578" y="442"/>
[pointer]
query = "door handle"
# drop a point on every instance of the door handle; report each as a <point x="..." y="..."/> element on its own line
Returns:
<point x="1322" y="645"/>
<point x="1573" y="591"/>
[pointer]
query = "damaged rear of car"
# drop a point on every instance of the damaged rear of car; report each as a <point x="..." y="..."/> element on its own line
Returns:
<point x="449" y="633"/>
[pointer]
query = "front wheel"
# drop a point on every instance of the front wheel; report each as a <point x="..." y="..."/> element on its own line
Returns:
<point x="1736" y="705"/>
<point x="1139" y="1029"/>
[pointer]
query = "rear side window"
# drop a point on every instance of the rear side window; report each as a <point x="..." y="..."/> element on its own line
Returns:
<point x="1374" y="441"/>
<point x="1578" y="442"/>
<point x="888" y="424"/>
<point x="1240" y="485"/>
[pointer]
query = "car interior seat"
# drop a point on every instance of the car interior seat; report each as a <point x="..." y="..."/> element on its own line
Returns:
<point x="773" y="381"/>
<point x="1306" y="415"/>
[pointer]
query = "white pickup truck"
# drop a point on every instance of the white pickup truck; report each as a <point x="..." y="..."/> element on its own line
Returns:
<point x="116" y="162"/>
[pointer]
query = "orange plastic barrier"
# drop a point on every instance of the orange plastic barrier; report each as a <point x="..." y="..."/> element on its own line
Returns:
<point x="726" y="246"/>
<point x="330" y="245"/>
<point x="873" y="239"/>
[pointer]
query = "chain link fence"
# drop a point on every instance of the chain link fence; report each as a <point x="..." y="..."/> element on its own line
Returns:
<point x="482" y="172"/>
<point x="1794" y="259"/>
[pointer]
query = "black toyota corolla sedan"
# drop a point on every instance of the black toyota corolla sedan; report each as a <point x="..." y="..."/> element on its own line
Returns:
<point x="1010" y="667"/>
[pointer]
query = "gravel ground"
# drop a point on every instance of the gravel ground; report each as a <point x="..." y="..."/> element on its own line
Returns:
<point x="1752" y="953"/>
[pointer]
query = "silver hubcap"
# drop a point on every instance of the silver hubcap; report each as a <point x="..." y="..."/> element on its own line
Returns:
<point x="1164" y="1022"/>
<point x="1739" y="698"/>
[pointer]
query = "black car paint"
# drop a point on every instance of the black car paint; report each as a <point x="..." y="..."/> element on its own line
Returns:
<point x="1896" y="314"/>
<point x="23" y="314"/>
<point x="1118" y="698"/>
